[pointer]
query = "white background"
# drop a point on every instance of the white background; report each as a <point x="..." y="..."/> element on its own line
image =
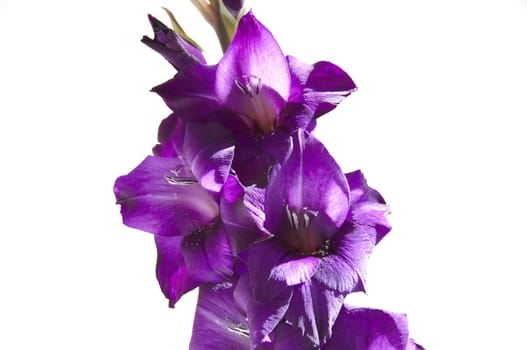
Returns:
<point x="437" y="125"/>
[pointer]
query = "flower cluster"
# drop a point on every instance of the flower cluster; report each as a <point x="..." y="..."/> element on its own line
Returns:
<point x="248" y="206"/>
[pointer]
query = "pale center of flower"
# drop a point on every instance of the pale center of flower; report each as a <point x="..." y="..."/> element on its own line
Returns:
<point x="303" y="238"/>
<point x="257" y="106"/>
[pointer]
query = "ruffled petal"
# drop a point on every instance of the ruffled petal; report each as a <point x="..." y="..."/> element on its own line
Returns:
<point x="253" y="77"/>
<point x="171" y="271"/>
<point x="344" y="269"/>
<point x="207" y="253"/>
<point x="324" y="84"/>
<point x="160" y="196"/>
<point x="367" y="205"/>
<point x="314" y="309"/>
<point x="171" y="46"/>
<point x="308" y="197"/>
<point x="368" y="329"/>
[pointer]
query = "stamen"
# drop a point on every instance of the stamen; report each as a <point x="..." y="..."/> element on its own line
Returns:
<point x="246" y="89"/>
<point x="306" y="219"/>
<point x="237" y="328"/>
<point x="250" y="85"/>
<point x="324" y="249"/>
<point x="259" y="86"/>
<point x="176" y="180"/>
<point x="294" y="217"/>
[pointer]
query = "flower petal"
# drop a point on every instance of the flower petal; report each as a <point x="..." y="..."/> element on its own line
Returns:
<point x="367" y="205"/>
<point x="344" y="269"/>
<point x="160" y="196"/>
<point x="263" y="316"/>
<point x="324" y="84"/>
<point x="314" y="309"/>
<point x="308" y="187"/>
<point x="263" y="257"/>
<point x="288" y="337"/>
<point x="256" y="154"/>
<point x="190" y="93"/>
<point x="242" y="214"/>
<point x="172" y="46"/>
<point x="207" y="253"/>
<point x="171" y="271"/>
<point x="296" y="116"/>
<point x="253" y="77"/>
<point x="208" y="149"/>
<point x="218" y="324"/>
<point x="368" y="329"/>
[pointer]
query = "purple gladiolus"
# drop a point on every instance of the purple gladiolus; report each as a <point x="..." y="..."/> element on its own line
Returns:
<point x="322" y="226"/>
<point x="257" y="91"/>
<point x="221" y="322"/>
<point x="255" y="80"/>
<point x="248" y="206"/>
<point x="176" y="196"/>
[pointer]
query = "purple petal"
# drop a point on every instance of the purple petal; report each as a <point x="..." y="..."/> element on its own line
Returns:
<point x="209" y="149"/>
<point x="190" y="93"/>
<point x="324" y="84"/>
<point x="166" y="135"/>
<point x="296" y="116"/>
<point x="242" y="214"/>
<point x="171" y="46"/>
<point x="218" y="324"/>
<point x="263" y="316"/>
<point x="288" y="337"/>
<point x="263" y="257"/>
<point x="344" y="269"/>
<point x="368" y="329"/>
<point x="367" y="205"/>
<point x="159" y="196"/>
<point x="206" y="148"/>
<point x="171" y="271"/>
<point x="253" y="77"/>
<point x="256" y="154"/>
<point x="207" y="253"/>
<point x="307" y="198"/>
<point x="314" y="309"/>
